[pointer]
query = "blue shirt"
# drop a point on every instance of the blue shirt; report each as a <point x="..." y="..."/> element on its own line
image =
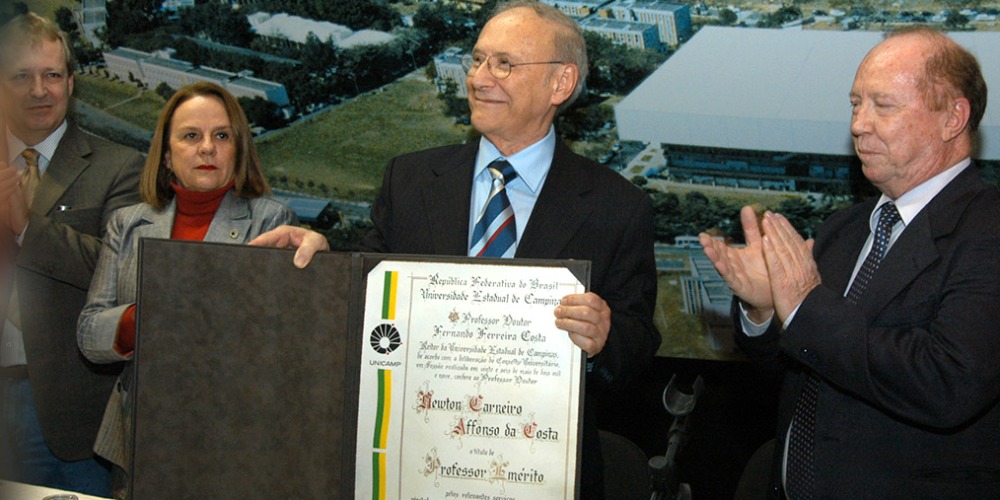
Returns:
<point x="532" y="166"/>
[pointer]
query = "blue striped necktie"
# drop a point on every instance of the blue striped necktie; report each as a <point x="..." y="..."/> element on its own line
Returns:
<point x="800" y="470"/>
<point x="496" y="232"/>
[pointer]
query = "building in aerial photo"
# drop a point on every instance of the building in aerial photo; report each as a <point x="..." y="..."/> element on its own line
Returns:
<point x="768" y="108"/>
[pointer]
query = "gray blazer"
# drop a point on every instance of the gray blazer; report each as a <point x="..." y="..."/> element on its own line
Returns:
<point x="113" y="290"/>
<point x="87" y="180"/>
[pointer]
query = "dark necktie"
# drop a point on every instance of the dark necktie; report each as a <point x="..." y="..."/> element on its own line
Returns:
<point x="495" y="231"/>
<point x="801" y="466"/>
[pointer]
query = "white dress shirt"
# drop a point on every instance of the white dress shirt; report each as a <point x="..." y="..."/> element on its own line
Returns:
<point x="11" y="341"/>
<point x="909" y="205"/>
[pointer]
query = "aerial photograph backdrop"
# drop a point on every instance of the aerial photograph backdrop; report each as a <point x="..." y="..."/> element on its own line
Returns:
<point x="707" y="106"/>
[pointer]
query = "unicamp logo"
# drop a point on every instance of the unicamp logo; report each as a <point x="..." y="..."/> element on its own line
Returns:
<point x="385" y="338"/>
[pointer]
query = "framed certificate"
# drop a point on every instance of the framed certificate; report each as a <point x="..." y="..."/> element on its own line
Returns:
<point x="467" y="389"/>
<point x="364" y="375"/>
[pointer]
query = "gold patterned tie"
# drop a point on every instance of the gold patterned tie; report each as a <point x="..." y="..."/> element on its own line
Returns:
<point x="30" y="177"/>
<point x="29" y="182"/>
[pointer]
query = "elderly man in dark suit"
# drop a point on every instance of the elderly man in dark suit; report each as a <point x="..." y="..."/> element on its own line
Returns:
<point x="69" y="184"/>
<point x="520" y="192"/>
<point x="529" y="62"/>
<point x="888" y="322"/>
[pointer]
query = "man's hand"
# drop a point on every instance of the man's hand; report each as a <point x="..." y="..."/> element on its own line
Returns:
<point x="13" y="208"/>
<point x="587" y="319"/>
<point x="307" y="242"/>
<point x="790" y="264"/>
<point x="744" y="269"/>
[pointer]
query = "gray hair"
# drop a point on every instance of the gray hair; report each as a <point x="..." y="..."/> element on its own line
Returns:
<point x="570" y="46"/>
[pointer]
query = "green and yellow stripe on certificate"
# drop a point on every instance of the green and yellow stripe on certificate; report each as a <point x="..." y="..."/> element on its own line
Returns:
<point x="378" y="475"/>
<point x="381" y="435"/>
<point x="389" y="295"/>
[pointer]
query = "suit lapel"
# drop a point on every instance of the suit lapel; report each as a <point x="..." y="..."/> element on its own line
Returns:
<point x="157" y="224"/>
<point x="561" y="208"/>
<point x="232" y="220"/>
<point x="68" y="162"/>
<point x="447" y="197"/>
<point x="916" y="248"/>
<point x="845" y="247"/>
<point x="912" y="252"/>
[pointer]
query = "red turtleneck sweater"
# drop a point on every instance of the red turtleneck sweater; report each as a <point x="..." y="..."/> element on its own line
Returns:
<point x="195" y="211"/>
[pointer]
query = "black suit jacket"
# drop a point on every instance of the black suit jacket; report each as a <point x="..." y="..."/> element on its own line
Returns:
<point x="87" y="179"/>
<point x="584" y="211"/>
<point x="910" y="379"/>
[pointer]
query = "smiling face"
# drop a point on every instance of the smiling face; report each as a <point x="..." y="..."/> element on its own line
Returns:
<point x="899" y="138"/>
<point x="516" y="111"/>
<point x="202" y="146"/>
<point x="36" y="90"/>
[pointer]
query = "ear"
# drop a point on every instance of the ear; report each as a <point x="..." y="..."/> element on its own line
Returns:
<point x="70" y="81"/>
<point x="166" y="158"/>
<point x="566" y="81"/>
<point x="956" y="119"/>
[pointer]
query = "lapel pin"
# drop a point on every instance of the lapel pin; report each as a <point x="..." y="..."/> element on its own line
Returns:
<point x="233" y="234"/>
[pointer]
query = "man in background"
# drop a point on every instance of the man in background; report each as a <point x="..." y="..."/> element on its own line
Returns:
<point x="888" y="323"/>
<point x="68" y="183"/>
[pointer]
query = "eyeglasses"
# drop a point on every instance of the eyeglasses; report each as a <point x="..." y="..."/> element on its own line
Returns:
<point x="500" y="67"/>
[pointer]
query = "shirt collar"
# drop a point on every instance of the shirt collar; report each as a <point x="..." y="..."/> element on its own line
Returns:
<point x="531" y="163"/>
<point x="46" y="148"/>
<point x="914" y="200"/>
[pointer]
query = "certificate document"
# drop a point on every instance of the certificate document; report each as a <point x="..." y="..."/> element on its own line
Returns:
<point x="467" y="389"/>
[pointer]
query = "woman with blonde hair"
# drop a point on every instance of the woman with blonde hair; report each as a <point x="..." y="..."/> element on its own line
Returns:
<point x="203" y="182"/>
